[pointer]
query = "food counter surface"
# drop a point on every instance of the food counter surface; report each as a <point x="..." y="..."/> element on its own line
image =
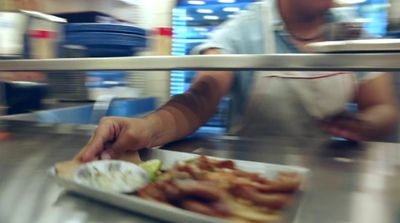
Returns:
<point x="348" y="183"/>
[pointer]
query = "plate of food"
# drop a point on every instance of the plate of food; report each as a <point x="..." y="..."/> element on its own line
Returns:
<point x="184" y="187"/>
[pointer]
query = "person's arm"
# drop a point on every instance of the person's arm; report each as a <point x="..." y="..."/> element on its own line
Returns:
<point x="378" y="106"/>
<point x="378" y="113"/>
<point x="179" y="117"/>
<point x="186" y="112"/>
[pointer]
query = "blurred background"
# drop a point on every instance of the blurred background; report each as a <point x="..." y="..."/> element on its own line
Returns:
<point x="42" y="29"/>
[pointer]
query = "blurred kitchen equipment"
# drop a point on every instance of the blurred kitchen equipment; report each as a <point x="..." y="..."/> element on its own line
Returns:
<point x="87" y="17"/>
<point x="29" y="34"/>
<point x="393" y="34"/>
<point x="106" y="40"/>
<point x="68" y="86"/>
<point x="100" y="84"/>
<point x="85" y="114"/>
<point x="394" y="16"/>
<point x="23" y="96"/>
<point x="96" y="40"/>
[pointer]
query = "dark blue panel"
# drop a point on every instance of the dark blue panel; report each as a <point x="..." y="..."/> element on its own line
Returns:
<point x="96" y="27"/>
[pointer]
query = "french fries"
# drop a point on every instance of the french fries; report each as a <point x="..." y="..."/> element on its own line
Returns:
<point x="217" y="188"/>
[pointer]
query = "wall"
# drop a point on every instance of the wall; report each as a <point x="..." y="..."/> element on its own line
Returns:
<point x="58" y="6"/>
<point x="147" y="13"/>
<point x="156" y="13"/>
<point x="113" y="7"/>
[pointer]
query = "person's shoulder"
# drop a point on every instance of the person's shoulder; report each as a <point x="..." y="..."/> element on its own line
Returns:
<point x="252" y="11"/>
<point x="254" y="6"/>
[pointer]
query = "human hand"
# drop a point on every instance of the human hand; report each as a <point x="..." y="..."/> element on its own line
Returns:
<point x="345" y="125"/>
<point x="115" y="135"/>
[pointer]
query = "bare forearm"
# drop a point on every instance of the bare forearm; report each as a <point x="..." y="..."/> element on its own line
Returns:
<point x="378" y="106"/>
<point x="184" y="113"/>
<point x="169" y="123"/>
<point x="378" y="121"/>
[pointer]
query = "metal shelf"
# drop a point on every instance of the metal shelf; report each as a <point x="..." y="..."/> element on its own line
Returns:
<point x="288" y="62"/>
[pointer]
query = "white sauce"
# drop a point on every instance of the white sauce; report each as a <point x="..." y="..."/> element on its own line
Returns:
<point x="116" y="180"/>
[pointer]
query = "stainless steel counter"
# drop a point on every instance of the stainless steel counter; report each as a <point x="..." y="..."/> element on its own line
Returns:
<point x="349" y="182"/>
<point x="275" y="62"/>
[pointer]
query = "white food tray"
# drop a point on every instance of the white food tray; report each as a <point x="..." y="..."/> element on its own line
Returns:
<point x="170" y="213"/>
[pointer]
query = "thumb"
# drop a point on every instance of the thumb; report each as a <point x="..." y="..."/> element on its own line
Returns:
<point x="105" y="133"/>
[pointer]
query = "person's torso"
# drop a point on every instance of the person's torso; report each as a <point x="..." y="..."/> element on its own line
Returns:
<point x="282" y="103"/>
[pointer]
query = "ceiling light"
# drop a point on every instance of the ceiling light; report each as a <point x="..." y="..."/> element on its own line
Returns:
<point x="231" y="9"/>
<point x="211" y="17"/>
<point x="349" y="2"/>
<point x="196" y="2"/>
<point x="130" y="2"/>
<point x="205" y="11"/>
<point x="188" y="18"/>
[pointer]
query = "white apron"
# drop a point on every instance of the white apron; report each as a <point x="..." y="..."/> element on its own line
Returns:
<point x="292" y="103"/>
